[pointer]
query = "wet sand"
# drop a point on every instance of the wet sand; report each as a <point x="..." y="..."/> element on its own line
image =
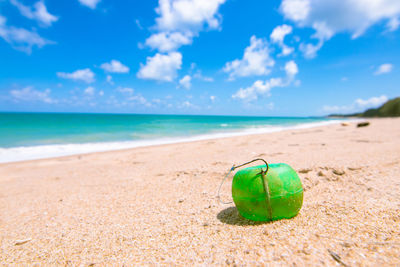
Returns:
<point x="157" y="205"/>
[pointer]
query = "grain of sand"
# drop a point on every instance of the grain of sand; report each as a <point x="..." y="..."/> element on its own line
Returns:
<point x="157" y="205"/>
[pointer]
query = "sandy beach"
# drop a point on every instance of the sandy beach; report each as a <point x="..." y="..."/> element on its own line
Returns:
<point x="158" y="205"/>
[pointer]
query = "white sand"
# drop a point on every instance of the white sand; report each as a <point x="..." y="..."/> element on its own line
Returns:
<point x="158" y="204"/>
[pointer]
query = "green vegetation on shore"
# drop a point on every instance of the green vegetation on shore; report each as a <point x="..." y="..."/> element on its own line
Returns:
<point x="390" y="109"/>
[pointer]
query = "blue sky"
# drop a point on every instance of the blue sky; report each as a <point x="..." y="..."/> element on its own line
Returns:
<point x="227" y="57"/>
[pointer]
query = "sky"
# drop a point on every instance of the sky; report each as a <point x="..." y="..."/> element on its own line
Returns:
<point x="211" y="57"/>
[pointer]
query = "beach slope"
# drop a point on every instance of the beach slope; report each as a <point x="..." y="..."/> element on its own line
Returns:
<point x="158" y="204"/>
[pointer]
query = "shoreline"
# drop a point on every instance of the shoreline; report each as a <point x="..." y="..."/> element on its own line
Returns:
<point x="28" y="153"/>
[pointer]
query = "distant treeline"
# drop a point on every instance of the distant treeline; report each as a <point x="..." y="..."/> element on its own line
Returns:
<point x="390" y="109"/>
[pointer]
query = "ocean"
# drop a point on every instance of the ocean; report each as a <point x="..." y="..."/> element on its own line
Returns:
<point x="26" y="136"/>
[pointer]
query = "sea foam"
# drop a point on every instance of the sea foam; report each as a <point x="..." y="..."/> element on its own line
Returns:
<point x="57" y="150"/>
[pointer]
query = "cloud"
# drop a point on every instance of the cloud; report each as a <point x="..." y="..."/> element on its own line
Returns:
<point x="256" y="61"/>
<point x="259" y="87"/>
<point x="212" y="98"/>
<point x="21" y="39"/>
<point x="109" y="79"/>
<point x="337" y="109"/>
<point x="183" y="15"/>
<point x="187" y="105"/>
<point x="89" y="91"/>
<point x="85" y="75"/>
<point x="310" y="50"/>
<point x="156" y="100"/>
<point x="179" y="21"/>
<point x="278" y="35"/>
<point x="384" y="68"/>
<point x="291" y="69"/>
<point x="126" y="90"/>
<point x="357" y="105"/>
<point x="371" y="102"/>
<point x="90" y="3"/>
<point x="186" y="82"/>
<point x="138" y="24"/>
<point x="263" y="88"/>
<point x="139" y="99"/>
<point x="166" y="42"/>
<point x="393" y="24"/>
<point x="115" y="66"/>
<point x="38" y="12"/>
<point x="161" y="67"/>
<point x="130" y="95"/>
<point x="296" y="10"/>
<point x="28" y="94"/>
<point x="199" y="75"/>
<point x="330" y="17"/>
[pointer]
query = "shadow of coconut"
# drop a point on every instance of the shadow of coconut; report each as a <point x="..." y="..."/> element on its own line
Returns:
<point x="231" y="216"/>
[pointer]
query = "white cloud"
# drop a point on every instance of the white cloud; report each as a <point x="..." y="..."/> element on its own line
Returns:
<point x="139" y="99"/>
<point x="38" y="12"/>
<point x="161" y="67"/>
<point x="114" y="66"/>
<point x="177" y="23"/>
<point x="371" y="102"/>
<point x="278" y="36"/>
<point x="31" y="95"/>
<point x="259" y="87"/>
<point x="85" y="75"/>
<point x="384" y="68"/>
<point x="263" y="88"/>
<point x="323" y="33"/>
<point x="279" y="33"/>
<point x="21" y="39"/>
<point x="187" y="105"/>
<point x="358" y="105"/>
<point x="138" y="24"/>
<point x="181" y="20"/>
<point x="270" y="106"/>
<point x="393" y="24"/>
<point x="183" y="15"/>
<point x="90" y="3"/>
<point x="296" y="10"/>
<point x="126" y="90"/>
<point x="101" y="93"/>
<point x="89" y="91"/>
<point x="199" y="75"/>
<point x="165" y="42"/>
<point x="329" y="17"/>
<point x="130" y="95"/>
<point x="338" y="109"/>
<point x="286" y="50"/>
<point x="291" y="69"/>
<point x="310" y="50"/>
<point x="256" y="60"/>
<point x="186" y="82"/>
<point x="109" y="79"/>
<point x="212" y="98"/>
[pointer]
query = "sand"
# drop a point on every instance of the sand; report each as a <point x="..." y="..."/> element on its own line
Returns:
<point x="157" y="205"/>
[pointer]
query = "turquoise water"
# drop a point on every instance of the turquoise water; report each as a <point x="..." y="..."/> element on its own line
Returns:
<point x="33" y="129"/>
<point x="26" y="136"/>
